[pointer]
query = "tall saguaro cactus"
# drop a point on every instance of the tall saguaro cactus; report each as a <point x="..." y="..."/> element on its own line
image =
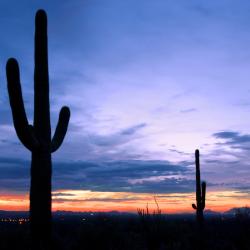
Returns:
<point x="200" y="191"/>
<point x="37" y="137"/>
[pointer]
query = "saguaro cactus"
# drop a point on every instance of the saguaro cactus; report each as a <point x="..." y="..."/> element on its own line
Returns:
<point x="200" y="191"/>
<point x="37" y="137"/>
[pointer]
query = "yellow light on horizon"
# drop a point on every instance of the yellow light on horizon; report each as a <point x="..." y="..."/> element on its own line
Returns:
<point x="86" y="200"/>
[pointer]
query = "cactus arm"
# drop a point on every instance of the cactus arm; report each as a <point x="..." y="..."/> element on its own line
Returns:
<point x="22" y="127"/>
<point x="194" y="206"/>
<point x="61" y="129"/>
<point x="203" y="188"/>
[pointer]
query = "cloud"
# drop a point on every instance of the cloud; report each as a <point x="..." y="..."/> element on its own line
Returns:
<point x="55" y="194"/>
<point x="234" y="139"/>
<point x="116" y="176"/>
<point x="226" y="165"/>
<point x="117" y="200"/>
<point x="178" y="151"/>
<point x="188" y="110"/>
<point x="116" y="139"/>
<point x="132" y="130"/>
<point x="229" y="135"/>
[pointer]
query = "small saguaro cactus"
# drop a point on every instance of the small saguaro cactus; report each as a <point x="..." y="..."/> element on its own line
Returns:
<point x="37" y="137"/>
<point x="200" y="191"/>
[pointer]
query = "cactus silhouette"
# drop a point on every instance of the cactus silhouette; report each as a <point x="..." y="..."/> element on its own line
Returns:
<point x="37" y="137"/>
<point x="200" y="191"/>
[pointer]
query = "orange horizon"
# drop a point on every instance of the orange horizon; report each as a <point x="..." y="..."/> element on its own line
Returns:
<point x="86" y="201"/>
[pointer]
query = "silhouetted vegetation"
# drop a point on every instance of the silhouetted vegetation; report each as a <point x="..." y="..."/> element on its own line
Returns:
<point x="125" y="232"/>
<point x="151" y="225"/>
<point x="200" y="192"/>
<point x="37" y="137"/>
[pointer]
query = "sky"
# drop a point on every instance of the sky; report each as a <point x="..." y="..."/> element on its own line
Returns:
<point x="147" y="82"/>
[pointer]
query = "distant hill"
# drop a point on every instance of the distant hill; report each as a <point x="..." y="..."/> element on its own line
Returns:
<point x="211" y="212"/>
<point x="5" y="214"/>
<point x="237" y="210"/>
<point x="208" y="213"/>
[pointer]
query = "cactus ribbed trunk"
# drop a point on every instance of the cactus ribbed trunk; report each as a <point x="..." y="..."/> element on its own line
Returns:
<point x="40" y="199"/>
<point x="37" y="137"/>
<point x="200" y="191"/>
<point x="41" y="167"/>
<point x="199" y="211"/>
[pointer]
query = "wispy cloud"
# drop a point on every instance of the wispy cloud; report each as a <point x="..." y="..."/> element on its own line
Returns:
<point x="234" y="139"/>
<point x="121" y="137"/>
<point x="188" y="110"/>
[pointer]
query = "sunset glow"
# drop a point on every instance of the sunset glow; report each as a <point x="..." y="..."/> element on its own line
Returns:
<point x="78" y="200"/>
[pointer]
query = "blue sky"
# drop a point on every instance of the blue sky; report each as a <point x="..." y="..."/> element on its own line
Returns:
<point x="147" y="82"/>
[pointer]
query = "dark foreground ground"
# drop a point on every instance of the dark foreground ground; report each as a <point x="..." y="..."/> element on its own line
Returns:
<point x="133" y="232"/>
